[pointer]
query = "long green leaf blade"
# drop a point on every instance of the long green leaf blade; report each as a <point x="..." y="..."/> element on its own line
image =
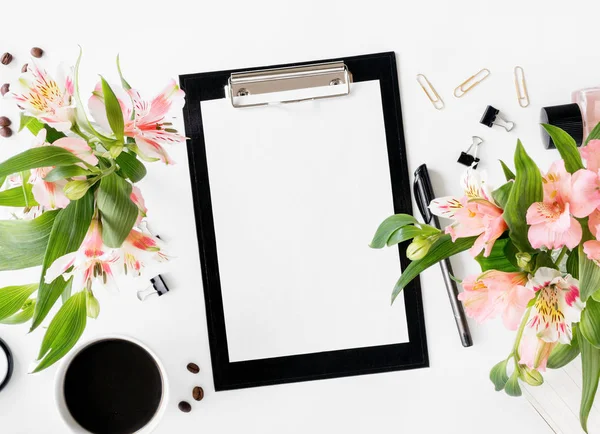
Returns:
<point x="590" y="366"/>
<point x="13" y="297"/>
<point x="35" y="126"/>
<point x="441" y="249"/>
<point x="45" y="156"/>
<point x="498" y="375"/>
<point x="388" y="227"/>
<point x="114" y="113"/>
<point x="23" y="242"/>
<point x="563" y="354"/>
<point x="527" y="189"/>
<point x="64" y="331"/>
<point x="124" y="83"/>
<point x="594" y="135"/>
<point x="117" y="211"/>
<point x="24" y="315"/>
<point x="508" y="174"/>
<point x="589" y="272"/>
<point x="497" y="260"/>
<point x="589" y="326"/>
<point x="66" y="172"/>
<point x="566" y="147"/>
<point x="131" y="167"/>
<point x="67" y="234"/>
<point x="18" y="197"/>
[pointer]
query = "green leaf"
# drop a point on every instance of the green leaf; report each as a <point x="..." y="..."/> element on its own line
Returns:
<point x="589" y="326"/>
<point x="23" y="242"/>
<point x="64" y="331"/>
<point x="113" y="111"/>
<point x="408" y="232"/>
<point x="526" y="190"/>
<point x="498" y="375"/>
<point x="502" y="194"/>
<point x="14" y="197"/>
<point x="13" y="297"/>
<point x="21" y="316"/>
<point x="65" y="172"/>
<point x="566" y="147"/>
<point x="563" y="354"/>
<point x="512" y="387"/>
<point x="590" y="366"/>
<point x="67" y="234"/>
<point x="124" y="83"/>
<point x="497" y="260"/>
<point x="543" y="259"/>
<point x="76" y="189"/>
<point x="35" y="126"/>
<point x="442" y="249"/>
<point x="589" y="275"/>
<point x="594" y="135"/>
<point x="118" y="212"/>
<point x="508" y="174"/>
<point x="33" y="158"/>
<point x="131" y="167"/>
<point x="388" y="227"/>
<point x="573" y="264"/>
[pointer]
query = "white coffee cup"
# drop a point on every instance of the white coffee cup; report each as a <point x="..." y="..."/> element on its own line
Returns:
<point x="70" y="422"/>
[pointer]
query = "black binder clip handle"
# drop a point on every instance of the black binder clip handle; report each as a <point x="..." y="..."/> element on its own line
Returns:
<point x="491" y="116"/>
<point x="471" y="160"/>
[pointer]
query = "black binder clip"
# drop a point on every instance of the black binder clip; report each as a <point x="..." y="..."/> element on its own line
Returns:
<point x="491" y="116"/>
<point x="468" y="159"/>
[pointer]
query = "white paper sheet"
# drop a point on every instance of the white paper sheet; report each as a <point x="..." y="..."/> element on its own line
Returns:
<point x="298" y="191"/>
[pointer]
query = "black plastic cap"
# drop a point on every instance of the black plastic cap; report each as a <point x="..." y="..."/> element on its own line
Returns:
<point x="4" y="348"/>
<point x="489" y="116"/>
<point x="567" y="117"/>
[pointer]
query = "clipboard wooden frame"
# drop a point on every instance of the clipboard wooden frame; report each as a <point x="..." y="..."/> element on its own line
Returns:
<point x="303" y="367"/>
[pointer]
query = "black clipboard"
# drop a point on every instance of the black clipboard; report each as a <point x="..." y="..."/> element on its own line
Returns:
<point x="304" y="367"/>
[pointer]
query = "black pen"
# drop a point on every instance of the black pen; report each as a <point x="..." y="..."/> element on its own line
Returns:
<point x="424" y="195"/>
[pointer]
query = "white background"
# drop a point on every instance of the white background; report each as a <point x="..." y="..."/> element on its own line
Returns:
<point x="555" y="42"/>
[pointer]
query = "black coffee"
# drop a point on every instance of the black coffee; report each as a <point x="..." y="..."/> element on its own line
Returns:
<point x="113" y="387"/>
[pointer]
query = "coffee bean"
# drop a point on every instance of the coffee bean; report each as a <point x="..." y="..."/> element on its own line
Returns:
<point x="5" y="132"/>
<point x="4" y="89"/>
<point x="198" y="393"/>
<point x="24" y="68"/>
<point x="6" y="58"/>
<point x="193" y="368"/>
<point x="185" y="406"/>
<point x="4" y="121"/>
<point x="37" y="52"/>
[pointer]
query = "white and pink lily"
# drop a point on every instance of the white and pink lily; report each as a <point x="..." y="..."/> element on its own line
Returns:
<point x="556" y="307"/>
<point x="50" y="194"/>
<point x="145" y="121"/>
<point x="45" y="98"/>
<point x="92" y="262"/>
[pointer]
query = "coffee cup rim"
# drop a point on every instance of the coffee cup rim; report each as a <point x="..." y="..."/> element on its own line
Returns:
<point x="59" y="378"/>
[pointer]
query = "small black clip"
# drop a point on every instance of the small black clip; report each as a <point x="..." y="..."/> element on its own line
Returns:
<point x="468" y="159"/>
<point x="491" y="116"/>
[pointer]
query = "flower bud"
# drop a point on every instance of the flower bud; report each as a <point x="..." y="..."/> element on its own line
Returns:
<point x="92" y="305"/>
<point x="523" y="259"/>
<point x="418" y="248"/>
<point x="75" y="190"/>
<point x="531" y="376"/>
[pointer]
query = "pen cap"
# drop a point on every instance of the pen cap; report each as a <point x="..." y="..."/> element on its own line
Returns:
<point x="6" y="364"/>
<point x="567" y="117"/>
<point x="423" y="191"/>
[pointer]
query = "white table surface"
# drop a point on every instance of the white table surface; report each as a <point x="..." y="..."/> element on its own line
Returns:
<point x="158" y="40"/>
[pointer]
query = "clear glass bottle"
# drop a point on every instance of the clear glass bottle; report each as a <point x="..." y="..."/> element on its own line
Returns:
<point x="578" y="118"/>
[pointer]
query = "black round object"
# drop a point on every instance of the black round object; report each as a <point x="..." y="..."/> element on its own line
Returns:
<point x="113" y="386"/>
<point x="4" y="381"/>
<point x="566" y="116"/>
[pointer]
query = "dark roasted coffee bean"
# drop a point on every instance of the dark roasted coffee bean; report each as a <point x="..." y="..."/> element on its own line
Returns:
<point x="5" y="132"/>
<point x="6" y="58"/>
<point x="37" y="52"/>
<point x="198" y="393"/>
<point x="4" y="89"/>
<point x="4" y="121"/>
<point x="24" y="68"/>
<point x="193" y="368"/>
<point x="184" y="406"/>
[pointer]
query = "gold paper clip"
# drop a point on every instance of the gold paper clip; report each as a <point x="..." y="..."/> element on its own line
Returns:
<point x="430" y="91"/>
<point x="521" y="85"/>
<point x="471" y="82"/>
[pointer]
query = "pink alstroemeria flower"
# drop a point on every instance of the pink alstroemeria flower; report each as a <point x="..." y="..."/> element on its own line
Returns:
<point x="138" y="200"/>
<point x="50" y="194"/>
<point x="47" y="99"/>
<point x="474" y="214"/>
<point x="148" y="127"/>
<point x="552" y="225"/>
<point x="496" y="293"/>
<point x="586" y="183"/>
<point x="93" y="261"/>
<point x="557" y="306"/>
<point x="140" y="248"/>
<point x="592" y="247"/>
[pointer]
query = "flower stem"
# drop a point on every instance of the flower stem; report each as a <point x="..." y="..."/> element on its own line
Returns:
<point x="560" y="256"/>
<point x="515" y="350"/>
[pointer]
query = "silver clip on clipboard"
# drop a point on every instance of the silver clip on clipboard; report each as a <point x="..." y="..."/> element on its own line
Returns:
<point x="286" y="85"/>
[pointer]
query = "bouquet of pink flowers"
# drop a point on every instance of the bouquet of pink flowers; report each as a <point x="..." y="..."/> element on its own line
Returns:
<point x="536" y="239"/>
<point x="74" y="208"/>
